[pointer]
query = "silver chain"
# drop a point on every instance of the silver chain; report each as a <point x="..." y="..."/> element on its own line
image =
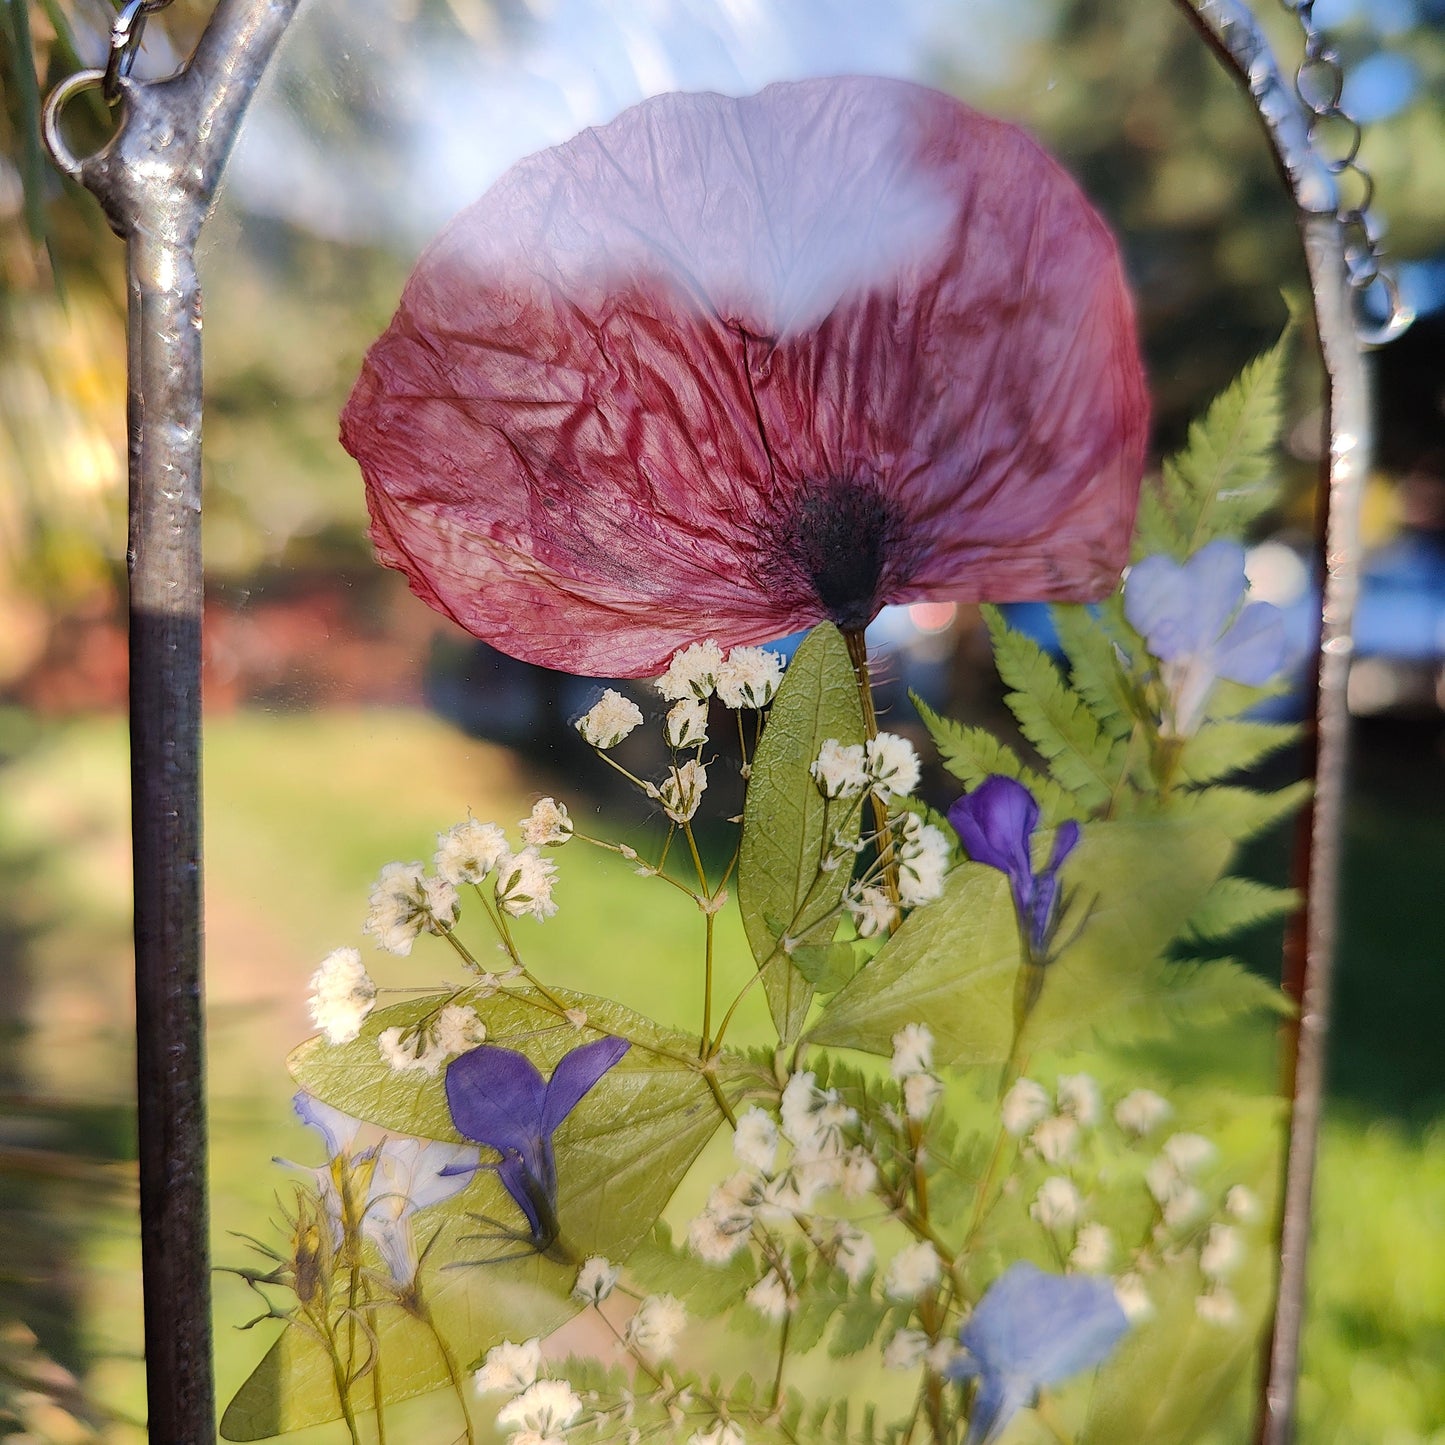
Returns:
<point x="1334" y="135"/>
<point x="125" y="39"/>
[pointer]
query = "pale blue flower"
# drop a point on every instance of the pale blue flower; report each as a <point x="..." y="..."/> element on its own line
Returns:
<point x="1032" y="1329"/>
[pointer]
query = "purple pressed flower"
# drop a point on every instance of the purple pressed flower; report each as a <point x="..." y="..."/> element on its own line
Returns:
<point x="1192" y="617"/>
<point x="497" y="1097"/>
<point x="385" y="1183"/>
<point x="996" y="824"/>
<point x="1029" y="1330"/>
<point x="730" y="367"/>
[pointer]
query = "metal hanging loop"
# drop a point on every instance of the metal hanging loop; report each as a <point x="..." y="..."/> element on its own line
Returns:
<point x="125" y="41"/>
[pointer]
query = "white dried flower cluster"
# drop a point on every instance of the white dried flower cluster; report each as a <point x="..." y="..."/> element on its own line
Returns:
<point x="893" y="768"/>
<point x="681" y="791"/>
<point x="524" y="884"/>
<point x="659" y="1320"/>
<point x="854" y="1252"/>
<point x="455" y="1030"/>
<point x="1171" y="1180"/>
<point x="914" y="1269"/>
<point x="1093" y="1250"/>
<point x="870" y="908"/>
<point x="1141" y="1112"/>
<point x="923" y="852"/>
<point x="840" y="771"/>
<point x="1221" y="1253"/>
<point x="469" y="851"/>
<point x="814" y="1118"/>
<point x="405" y="902"/>
<point x="595" y="1280"/>
<point x="755" y="1141"/>
<point x="1217" y="1306"/>
<point x="342" y="994"/>
<point x="1078" y="1097"/>
<point x="726" y="1224"/>
<point x="905" y="1350"/>
<point x="912" y="1051"/>
<point x="693" y="672"/>
<point x="610" y="719"/>
<point x="1025" y="1104"/>
<point x="545" y="1408"/>
<point x="547" y="825"/>
<point x="749" y="677"/>
<point x="771" y="1296"/>
<point x="686" y="724"/>
<point x="1058" y="1204"/>
<point x="1133" y="1297"/>
<point x="509" y="1367"/>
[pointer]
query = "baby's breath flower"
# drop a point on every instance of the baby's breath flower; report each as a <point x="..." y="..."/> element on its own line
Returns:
<point x="1141" y="1112"/>
<point x="920" y="1094"/>
<point x="548" y="1407"/>
<point x="941" y="1355"/>
<point x="577" y="1017"/>
<point x="509" y="1367"/>
<point x="656" y="1325"/>
<point x="723" y="1432"/>
<point x="524" y="884"/>
<point x="1058" y="1204"/>
<point x="686" y="723"/>
<point x="609" y="720"/>
<point x="892" y="766"/>
<point x="1217" y="1306"/>
<point x="912" y="1051"/>
<point x="755" y="1141"/>
<point x="1025" y="1104"/>
<point x="547" y="825"/>
<point x="853" y="1251"/>
<point x="923" y="863"/>
<point x="1221" y="1253"/>
<point x="1188" y="1153"/>
<point x="840" y="771"/>
<point x="1093" y="1248"/>
<point x="715" y="1238"/>
<point x="1241" y="1204"/>
<point x="871" y="909"/>
<point x="682" y="789"/>
<point x="769" y="1296"/>
<point x="813" y="1116"/>
<point x="1185" y="1205"/>
<point x="1078" y="1095"/>
<point x="595" y="1280"/>
<point x="342" y="994"/>
<point x="398" y="907"/>
<point x="859" y="1173"/>
<point x="749" y="677"/>
<point x="912" y="1270"/>
<point x="458" y="1029"/>
<point x="406" y="1049"/>
<point x="905" y="1350"/>
<point x="469" y="851"/>
<point x="1133" y="1298"/>
<point x="693" y="672"/>
<point x="1056" y="1139"/>
<point x="442" y="905"/>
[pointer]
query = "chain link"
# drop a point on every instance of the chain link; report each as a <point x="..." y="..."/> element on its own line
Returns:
<point x="125" y="38"/>
<point x="1334" y="135"/>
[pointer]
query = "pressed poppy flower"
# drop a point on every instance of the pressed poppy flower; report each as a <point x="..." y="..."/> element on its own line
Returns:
<point x="727" y="368"/>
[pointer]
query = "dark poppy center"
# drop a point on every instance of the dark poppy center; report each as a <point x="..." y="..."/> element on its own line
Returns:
<point x="841" y="535"/>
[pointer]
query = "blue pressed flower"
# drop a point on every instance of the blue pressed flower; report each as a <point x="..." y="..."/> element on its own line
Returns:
<point x="1192" y="617"/>
<point x="384" y="1184"/>
<point x="996" y="824"/>
<point x="497" y="1097"/>
<point x="1032" y="1329"/>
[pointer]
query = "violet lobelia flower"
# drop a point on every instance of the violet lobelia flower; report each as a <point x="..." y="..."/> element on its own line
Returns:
<point x="1193" y="618"/>
<point x="1029" y="1330"/>
<point x="382" y="1183"/>
<point x="498" y="1098"/>
<point x="730" y="367"/>
<point x="996" y="824"/>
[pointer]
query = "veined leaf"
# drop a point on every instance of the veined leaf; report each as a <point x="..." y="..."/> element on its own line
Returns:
<point x="620" y="1155"/>
<point x="1234" y="904"/>
<point x="954" y="963"/>
<point x="1226" y="476"/>
<point x="1095" y="669"/>
<point x="1055" y="719"/>
<point x="788" y="825"/>
<point x="972" y="754"/>
<point x="1221" y="748"/>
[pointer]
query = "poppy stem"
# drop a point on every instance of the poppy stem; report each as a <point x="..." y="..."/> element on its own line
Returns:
<point x="858" y="656"/>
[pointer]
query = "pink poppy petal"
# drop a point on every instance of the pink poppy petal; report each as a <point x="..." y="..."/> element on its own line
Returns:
<point x="728" y="367"/>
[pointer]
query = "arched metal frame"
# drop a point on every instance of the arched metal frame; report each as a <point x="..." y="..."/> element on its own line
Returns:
<point x="156" y="180"/>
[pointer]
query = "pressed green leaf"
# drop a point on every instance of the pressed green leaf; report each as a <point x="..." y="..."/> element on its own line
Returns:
<point x="788" y="825"/>
<point x="827" y="966"/>
<point x="1226" y="476"/>
<point x="662" y="1268"/>
<point x="1234" y="904"/>
<point x="858" y="1322"/>
<point x="620" y="1155"/>
<point x="972" y="754"/>
<point x="1221" y="748"/>
<point x="1086" y="760"/>
<point x="954" y="963"/>
<point x="1095" y="669"/>
<point x="1240" y="813"/>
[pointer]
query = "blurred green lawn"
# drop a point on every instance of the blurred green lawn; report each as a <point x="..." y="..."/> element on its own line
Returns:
<point x="303" y="809"/>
